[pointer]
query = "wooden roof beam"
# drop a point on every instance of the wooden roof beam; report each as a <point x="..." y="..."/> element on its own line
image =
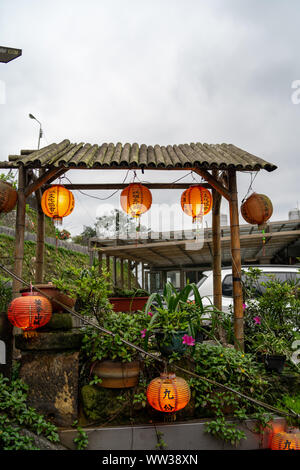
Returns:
<point x="215" y="183"/>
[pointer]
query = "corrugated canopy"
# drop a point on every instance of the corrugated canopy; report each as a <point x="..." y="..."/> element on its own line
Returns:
<point x="207" y="156"/>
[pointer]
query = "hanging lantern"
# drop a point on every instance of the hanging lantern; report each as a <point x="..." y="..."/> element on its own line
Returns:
<point x="30" y="311"/>
<point x="8" y="197"/>
<point x="57" y="202"/>
<point x="136" y="199"/>
<point x="257" y="209"/>
<point x="196" y="202"/>
<point x="285" y="441"/>
<point x="168" y="393"/>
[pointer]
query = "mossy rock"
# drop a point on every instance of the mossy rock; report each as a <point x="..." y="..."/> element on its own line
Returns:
<point x="50" y="340"/>
<point x="103" y="403"/>
<point x="58" y="321"/>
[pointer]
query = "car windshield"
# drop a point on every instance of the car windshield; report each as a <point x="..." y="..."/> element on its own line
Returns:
<point x="262" y="278"/>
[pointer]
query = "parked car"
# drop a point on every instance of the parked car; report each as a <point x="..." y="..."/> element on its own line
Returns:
<point x="205" y="285"/>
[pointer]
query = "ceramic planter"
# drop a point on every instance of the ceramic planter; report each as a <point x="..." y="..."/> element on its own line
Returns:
<point x="170" y="342"/>
<point x="128" y="304"/>
<point x="56" y="294"/>
<point x="117" y="374"/>
<point x="275" y="363"/>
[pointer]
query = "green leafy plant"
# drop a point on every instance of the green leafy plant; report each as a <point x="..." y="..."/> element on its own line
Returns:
<point x="270" y="344"/>
<point x="9" y="178"/>
<point x="5" y="293"/>
<point x="99" y="346"/>
<point x="238" y="371"/>
<point x="174" y="312"/>
<point x="90" y="287"/>
<point x="15" y="414"/>
<point x="82" y="440"/>
<point x="118" y="292"/>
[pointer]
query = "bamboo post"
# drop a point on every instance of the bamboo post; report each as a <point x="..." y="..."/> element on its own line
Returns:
<point x="40" y="240"/>
<point x="217" y="258"/>
<point x="136" y="274"/>
<point x="122" y="273"/>
<point x="107" y="263"/>
<point x="115" y="271"/>
<point x="143" y="276"/>
<point x="236" y="262"/>
<point x="100" y="256"/>
<point x="129" y="274"/>
<point x="182" y="276"/>
<point x="20" y="231"/>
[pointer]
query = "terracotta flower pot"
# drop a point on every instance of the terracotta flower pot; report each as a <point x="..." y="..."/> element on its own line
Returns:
<point x="56" y="294"/>
<point x="128" y="304"/>
<point x="117" y="374"/>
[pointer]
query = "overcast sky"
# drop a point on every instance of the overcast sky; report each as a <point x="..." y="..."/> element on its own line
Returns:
<point x="155" y="71"/>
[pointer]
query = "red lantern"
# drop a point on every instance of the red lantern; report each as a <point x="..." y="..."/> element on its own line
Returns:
<point x="30" y="311"/>
<point x="168" y="393"/>
<point x="285" y="441"/>
<point x="196" y="202"/>
<point x="257" y="209"/>
<point x="136" y="199"/>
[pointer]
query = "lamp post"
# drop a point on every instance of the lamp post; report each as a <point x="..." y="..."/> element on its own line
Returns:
<point x="40" y="131"/>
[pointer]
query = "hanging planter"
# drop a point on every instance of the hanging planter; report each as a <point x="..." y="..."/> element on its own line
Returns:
<point x="8" y="197"/>
<point x="117" y="374"/>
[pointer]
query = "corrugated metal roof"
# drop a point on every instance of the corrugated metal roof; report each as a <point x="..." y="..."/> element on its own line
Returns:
<point x="208" y="156"/>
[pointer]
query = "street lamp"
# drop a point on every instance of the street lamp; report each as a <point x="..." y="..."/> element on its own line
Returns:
<point x="41" y="130"/>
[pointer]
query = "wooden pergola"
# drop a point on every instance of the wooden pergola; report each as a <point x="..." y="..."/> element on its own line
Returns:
<point x="216" y="164"/>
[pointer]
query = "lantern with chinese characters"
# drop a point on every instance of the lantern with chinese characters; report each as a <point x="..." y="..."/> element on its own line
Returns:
<point x="136" y="199"/>
<point x="57" y="202"/>
<point x="196" y="202"/>
<point x="30" y="311"/>
<point x="168" y="393"/>
<point x="285" y="441"/>
<point x="257" y="209"/>
<point x="8" y="197"/>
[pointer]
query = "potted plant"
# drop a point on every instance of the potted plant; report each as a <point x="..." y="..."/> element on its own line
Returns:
<point x="114" y="363"/>
<point x="176" y="321"/>
<point x="272" y="348"/>
<point x="128" y="300"/>
<point x="89" y="287"/>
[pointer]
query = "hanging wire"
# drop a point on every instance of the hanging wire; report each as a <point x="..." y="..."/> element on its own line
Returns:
<point x="97" y="197"/>
<point x="250" y="185"/>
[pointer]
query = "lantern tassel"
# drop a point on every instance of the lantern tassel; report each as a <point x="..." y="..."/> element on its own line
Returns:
<point x="29" y="334"/>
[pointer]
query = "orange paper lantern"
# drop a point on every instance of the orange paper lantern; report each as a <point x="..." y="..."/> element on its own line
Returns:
<point x="30" y="311"/>
<point x="196" y="202"/>
<point x="8" y="197"/>
<point x="57" y="202"/>
<point x="285" y="441"/>
<point x="168" y="393"/>
<point x="257" y="209"/>
<point x="136" y="199"/>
